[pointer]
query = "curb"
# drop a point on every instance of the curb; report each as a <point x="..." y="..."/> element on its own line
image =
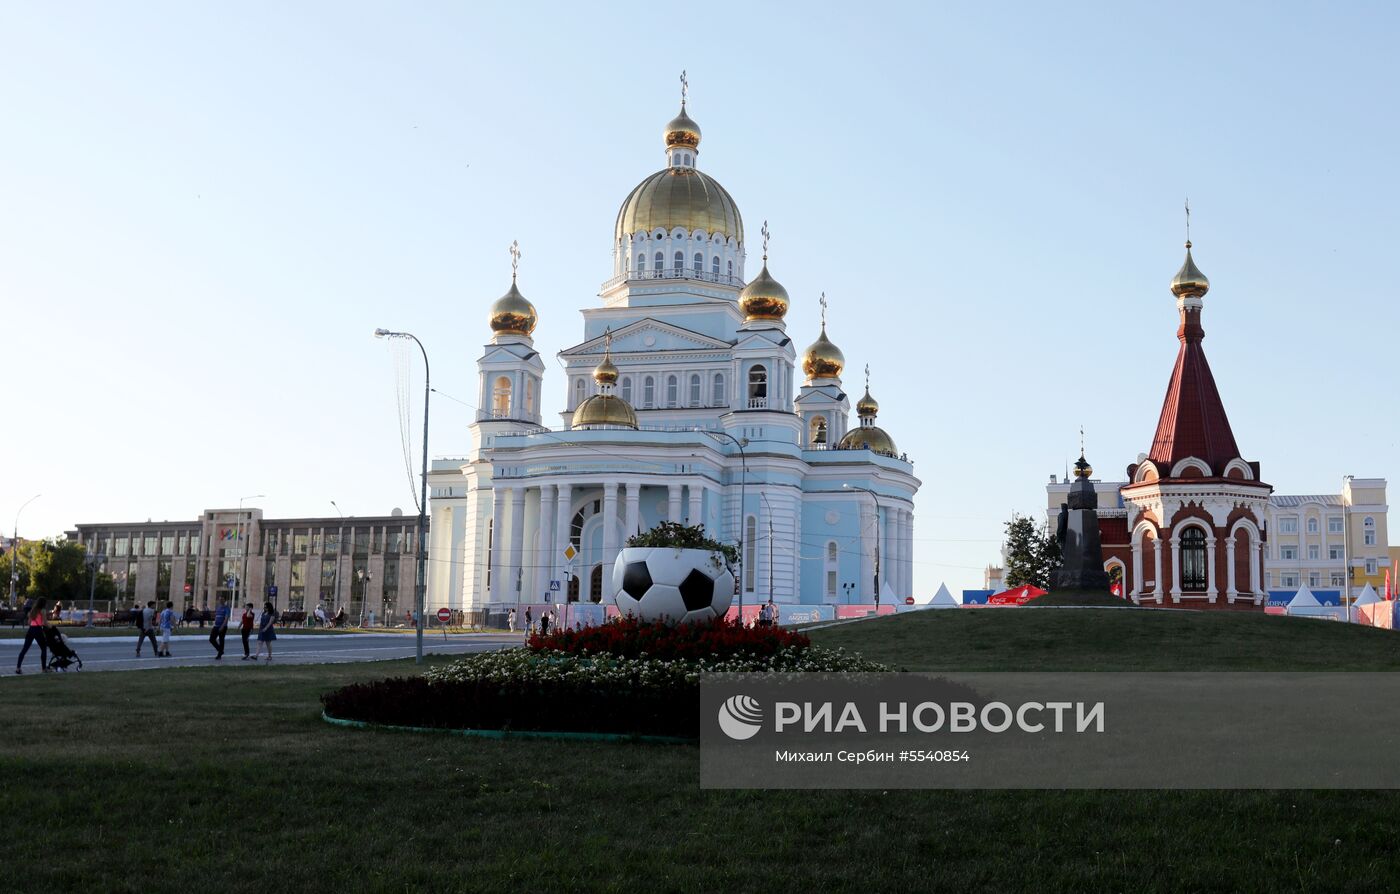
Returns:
<point x="514" y="734"/>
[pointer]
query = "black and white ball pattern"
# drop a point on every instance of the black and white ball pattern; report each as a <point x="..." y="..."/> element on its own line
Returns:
<point x="664" y="584"/>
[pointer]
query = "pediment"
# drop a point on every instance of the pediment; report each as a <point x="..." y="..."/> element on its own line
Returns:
<point x="649" y="336"/>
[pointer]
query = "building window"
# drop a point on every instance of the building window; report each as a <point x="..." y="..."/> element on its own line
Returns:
<point x="1338" y="579"/>
<point x="758" y="382"/>
<point x="1370" y="567"/>
<point x="818" y="432"/>
<point x="1193" y="559"/>
<point x="695" y="390"/>
<point x="719" y="396"/>
<point x="1334" y="551"/>
<point x="1288" y="525"/>
<point x="648" y="391"/>
<point x="167" y="544"/>
<point x="698" y="262"/>
<point x="1313" y="551"/>
<point x="1370" y="532"/>
<point x="831" y="569"/>
<point x="731" y="268"/>
<point x="1287" y="552"/>
<point x="1312" y="526"/>
<point x="627" y="389"/>
<point x="578" y="392"/>
<point x="641" y="262"/>
<point x="530" y="396"/>
<point x="1334" y="525"/>
<point x="1314" y="580"/>
<point x="490" y="546"/>
<point x="1290" y="581"/>
<point x="500" y="398"/>
<point x="660" y="260"/>
<point x="672" y="391"/>
<point x="714" y="266"/>
<point x="678" y="263"/>
<point x="750" y="551"/>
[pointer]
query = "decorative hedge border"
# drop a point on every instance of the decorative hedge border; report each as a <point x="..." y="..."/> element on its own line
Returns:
<point x="514" y="734"/>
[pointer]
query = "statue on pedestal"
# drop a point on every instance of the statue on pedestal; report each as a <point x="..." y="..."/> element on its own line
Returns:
<point x="1078" y="534"/>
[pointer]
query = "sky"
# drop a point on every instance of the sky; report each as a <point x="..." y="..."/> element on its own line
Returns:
<point x="208" y="208"/>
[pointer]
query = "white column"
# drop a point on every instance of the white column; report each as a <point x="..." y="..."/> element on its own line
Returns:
<point x="867" y="549"/>
<point x="547" y="557"/>
<point x="897" y="551"/>
<point x="517" y="544"/>
<point x="673" y="506"/>
<point x="1157" y="557"/>
<point x="1230" y="591"/>
<point x="497" y="543"/>
<point x="906" y="551"/>
<point x="1176" y="567"/>
<point x="1211" y="558"/>
<point x="1256" y="551"/>
<point x="631" y="516"/>
<point x="609" y="533"/>
<point x="1135" y="588"/>
<point x="694" y="517"/>
<point x="563" y="517"/>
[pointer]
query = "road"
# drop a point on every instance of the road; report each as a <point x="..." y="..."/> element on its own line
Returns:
<point x="119" y="653"/>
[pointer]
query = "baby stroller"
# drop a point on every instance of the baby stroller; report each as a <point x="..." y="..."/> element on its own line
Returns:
<point x="61" y="655"/>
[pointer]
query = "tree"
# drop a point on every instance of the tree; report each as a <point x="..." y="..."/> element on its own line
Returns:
<point x="57" y="570"/>
<point x="1032" y="554"/>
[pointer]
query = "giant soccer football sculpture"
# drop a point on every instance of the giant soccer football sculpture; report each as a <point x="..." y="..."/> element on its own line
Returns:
<point x="676" y="586"/>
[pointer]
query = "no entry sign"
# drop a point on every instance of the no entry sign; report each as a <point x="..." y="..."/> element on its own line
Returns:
<point x="444" y="615"/>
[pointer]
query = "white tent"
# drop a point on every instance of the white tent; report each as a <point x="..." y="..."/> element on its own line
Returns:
<point x="1370" y="609"/>
<point x="1305" y="605"/>
<point x="943" y="599"/>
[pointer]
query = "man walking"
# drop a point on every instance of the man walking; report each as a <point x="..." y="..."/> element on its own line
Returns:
<point x="167" y="623"/>
<point x="146" y="627"/>
<point x="216" y="636"/>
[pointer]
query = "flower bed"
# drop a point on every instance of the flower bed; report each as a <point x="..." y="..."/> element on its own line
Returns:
<point x="604" y="679"/>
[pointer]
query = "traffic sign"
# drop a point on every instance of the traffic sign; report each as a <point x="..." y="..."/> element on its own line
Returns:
<point x="908" y="600"/>
<point x="570" y="552"/>
<point x="187" y="589"/>
<point x="272" y="591"/>
<point x="444" y="615"/>
<point x="554" y="586"/>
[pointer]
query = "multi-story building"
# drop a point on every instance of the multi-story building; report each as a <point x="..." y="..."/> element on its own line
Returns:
<point x="1312" y="538"/>
<point x="365" y="564"/>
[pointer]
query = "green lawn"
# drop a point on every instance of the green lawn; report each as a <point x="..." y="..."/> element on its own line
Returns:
<point x="199" y="779"/>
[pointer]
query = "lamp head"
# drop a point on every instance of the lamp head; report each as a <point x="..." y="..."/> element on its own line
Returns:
<point x="381" y="333"/>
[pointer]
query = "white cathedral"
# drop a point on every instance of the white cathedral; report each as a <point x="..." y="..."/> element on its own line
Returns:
<point x="682" y="405"/>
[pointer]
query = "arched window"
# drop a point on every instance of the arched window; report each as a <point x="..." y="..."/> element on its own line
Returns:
<point x="678" y="263"/>
<point x="758" y="382"/>
<point x="750" y="551"/>
<point x="578" y="391"/>
<point x="695" y="391"/>
<point x="500" y="398"/>
<point x="818" y="432"/>
<point x="731" y="268"/>
<point x="698" y="263"/>
<point x="529" y="395"/>
<point x="1312" y="526"/>
<point x="627" y="388"/>
<point x="673" y="397"/>
<point x="660" y="260"/>
<point x="648" y="392"/>
<point x="714" y="266"/>
<point x="1369" y="535"/>
<point x="1193" y="559"/>
<point x="720" y="398"/>
<point x="641" y="262"/>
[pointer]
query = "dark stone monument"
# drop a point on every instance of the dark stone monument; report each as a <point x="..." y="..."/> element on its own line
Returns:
<point x="1078" y="533"/>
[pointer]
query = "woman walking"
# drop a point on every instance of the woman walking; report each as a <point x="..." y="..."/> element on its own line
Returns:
<point x="34" y="632"/>
<point x="245" y="628"/>
<point x="266" y="631"/>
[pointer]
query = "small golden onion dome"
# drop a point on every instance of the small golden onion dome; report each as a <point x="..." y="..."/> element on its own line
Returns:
<point x="682" y="131"/>
<point x="822" y="359"/>
<point x="869" y="437"/>
<point x="764" y="298"/>
<point x="605" y="373"/>
<point x="1082" y="469"/>
<point x="679" y="197"/>
<point x="604" y="409"/>
<point x="1189" y="281"/>
<point x="867" y="405"/>
<point x="512" y="314"/>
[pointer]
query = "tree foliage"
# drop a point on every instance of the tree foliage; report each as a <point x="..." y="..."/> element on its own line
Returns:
<point x="1032" y="554"/>
<point x="679" y="536"/>
<point x="57" y="570"/>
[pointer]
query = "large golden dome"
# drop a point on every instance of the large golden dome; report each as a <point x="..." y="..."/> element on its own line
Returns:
<point x="1189" y="281"/>
<point x="764" y="298"/>
<point x="869" y="437"/>
<point x="512" y="314"/>
<point x="679" y="197"/>
<point x="822" y="359"/>
<point x="604" y="409"/>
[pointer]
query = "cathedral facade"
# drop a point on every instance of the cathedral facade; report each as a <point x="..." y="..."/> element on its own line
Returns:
<point x="686" y="401"/>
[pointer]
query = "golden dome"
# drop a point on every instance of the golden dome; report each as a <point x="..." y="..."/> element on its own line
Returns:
<point x="869" y="437"/>
<point x="1189" y="281"/>
<point x="822" y="359"/>
<point x="682" y="131"/>
<point x="605" y="373"/>
<point x="512" y="314"/>
<point x="604" y="409"/>
<point x="764" y="298"/>
<point x="679" y="197"/>
<point x="1082" y="469"/>
<point x="867" y="405"/>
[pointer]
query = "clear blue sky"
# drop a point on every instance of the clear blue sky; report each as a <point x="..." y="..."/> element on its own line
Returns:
<point x="207" y="208"/>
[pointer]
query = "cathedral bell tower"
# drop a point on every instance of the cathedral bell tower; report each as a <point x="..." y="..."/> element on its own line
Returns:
<point x="510" y="370"/>
<point x="821" y="403"/>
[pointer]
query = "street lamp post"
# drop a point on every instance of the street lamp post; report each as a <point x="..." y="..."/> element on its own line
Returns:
<point x="335" y="569"/>
<point x="743" y="480"/>
<point x="769" y="508"/>
<point x="94" y="560"/>
<point x="876" y="498"/>
<point x="365" y="577"/>
<point x="239" y="588"/>
<point x="14" y="549"/>
<point x="421" y="590"/>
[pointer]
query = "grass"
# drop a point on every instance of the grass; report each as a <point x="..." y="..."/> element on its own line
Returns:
<point x="197" y="779"/>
